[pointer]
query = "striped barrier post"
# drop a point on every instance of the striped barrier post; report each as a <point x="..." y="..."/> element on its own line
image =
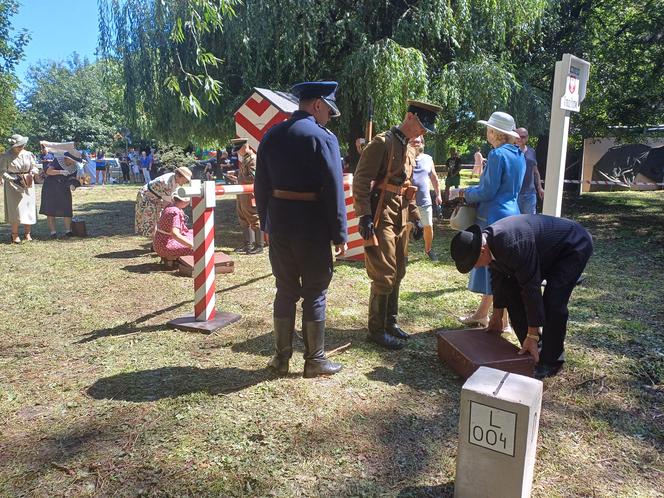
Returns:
<point x="355" y="251"/>
<point x="204" y="274"/>
<point x="206" y="318"/>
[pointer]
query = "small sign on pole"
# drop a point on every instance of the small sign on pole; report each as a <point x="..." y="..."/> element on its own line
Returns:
<point x="569" y="90"/>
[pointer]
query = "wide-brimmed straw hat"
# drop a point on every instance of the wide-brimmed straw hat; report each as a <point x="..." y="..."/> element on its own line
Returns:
<point x="18" y="140"/>
<point x="465" y="248"/>
<point x="178" y="197"/>
<point x="184" y="171"/>
<point x="502" y="122"/>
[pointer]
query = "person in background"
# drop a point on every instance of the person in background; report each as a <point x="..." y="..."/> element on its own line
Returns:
<point x="172" y="237"/>
<point x="100" y="167"/>
<point x="300" y="200"/>
<point x="17" y="167"/>
<point x="56" y="201"/>
<point x="124" y="166"/>
<point x="146" y="165"/>
<point x="246" y="203"/>
<point x="532" y="183"/>
<point x="478" y="165"/>
<point x="423" y="172"/>
<point x="154" y="196"/>
<point x="495" y="196"/>
<point x="522" y="251"/>
<point x="453" y="178"/>
<point x="132" y="156"/>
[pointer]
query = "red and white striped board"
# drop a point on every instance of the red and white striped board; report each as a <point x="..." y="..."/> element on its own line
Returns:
<point x="355" y="250"/>
<point x="204" y="273"/>
<point x="261" y="111"/>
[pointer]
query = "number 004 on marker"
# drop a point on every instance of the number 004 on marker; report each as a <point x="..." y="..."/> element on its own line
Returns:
<point x="492" y="428"/>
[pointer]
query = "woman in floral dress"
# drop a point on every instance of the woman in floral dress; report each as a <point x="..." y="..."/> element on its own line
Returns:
<point x="154" y="196"/>
<point x="172" y="238"/>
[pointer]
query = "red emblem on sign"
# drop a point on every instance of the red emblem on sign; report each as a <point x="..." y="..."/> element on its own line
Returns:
<point x="572" y="85"/>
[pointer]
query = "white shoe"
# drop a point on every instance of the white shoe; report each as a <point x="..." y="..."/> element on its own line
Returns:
<point x="471" y="320"/>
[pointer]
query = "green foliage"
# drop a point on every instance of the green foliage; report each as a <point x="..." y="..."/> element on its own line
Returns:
<point x="73" y="101"/>
<point x="173" y="156"/>
<point x="11" y="52"/>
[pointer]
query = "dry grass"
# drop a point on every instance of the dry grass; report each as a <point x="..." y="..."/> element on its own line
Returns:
<point x="99" y="397"/>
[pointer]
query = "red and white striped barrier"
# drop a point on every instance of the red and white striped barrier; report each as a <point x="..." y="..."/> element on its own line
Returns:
<point x="204" y="274"/>
<point x="355" y="251"/>
<point x="205" y="317"/>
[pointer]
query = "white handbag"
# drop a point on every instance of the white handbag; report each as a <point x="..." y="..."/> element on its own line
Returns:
<point x="463" y="216"/>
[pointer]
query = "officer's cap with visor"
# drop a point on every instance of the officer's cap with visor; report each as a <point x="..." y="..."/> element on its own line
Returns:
<point x="426" y="113"/>
<point x="237" y="143"/>
<point x="325" y="90"/>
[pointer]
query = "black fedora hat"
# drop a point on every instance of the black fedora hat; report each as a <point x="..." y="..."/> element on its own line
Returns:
<point x="465" y="248"/>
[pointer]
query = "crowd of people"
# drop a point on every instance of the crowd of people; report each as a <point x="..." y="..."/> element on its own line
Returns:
<point x="299" y="202"/>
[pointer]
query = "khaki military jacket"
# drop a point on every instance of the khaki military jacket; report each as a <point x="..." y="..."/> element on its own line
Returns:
<point x="372" y="167"/>
<point x="247" y="170"/>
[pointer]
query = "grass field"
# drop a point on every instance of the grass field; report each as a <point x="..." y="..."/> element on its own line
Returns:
<point x="98" y="397"/>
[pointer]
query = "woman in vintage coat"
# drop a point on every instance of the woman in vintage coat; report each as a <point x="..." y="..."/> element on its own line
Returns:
<point x="56" y="201"/>
<point x="154" y="196"/>
<point x="495" y="196"/>
<point x="17" y="167"/>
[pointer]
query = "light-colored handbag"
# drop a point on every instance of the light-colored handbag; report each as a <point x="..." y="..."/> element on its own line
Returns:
<point x="463" y="216"/>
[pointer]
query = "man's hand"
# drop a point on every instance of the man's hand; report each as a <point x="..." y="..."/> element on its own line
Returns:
<point x="495" y="322"/>
<point x="366" y="226"/>
<point x="439" y="199"/>
<point x="530" y="346"/>
<point x="418" y="230"/>
<point x="340" y="249"/>
<point x="540" y="192"/>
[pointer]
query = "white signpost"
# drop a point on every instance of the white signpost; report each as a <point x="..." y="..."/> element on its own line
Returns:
<point x="569" y="90"/>
<point x="498" y="426"/>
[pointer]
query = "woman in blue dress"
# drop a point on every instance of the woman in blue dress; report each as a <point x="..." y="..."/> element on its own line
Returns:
<point x="496" y="197"/>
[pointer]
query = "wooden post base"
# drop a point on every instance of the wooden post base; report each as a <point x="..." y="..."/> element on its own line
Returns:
<point x="190" y="324"/>
<point x="464" y="351"/>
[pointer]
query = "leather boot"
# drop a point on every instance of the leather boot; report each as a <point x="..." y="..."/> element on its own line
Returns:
<point x="377" y="319"/>
<point x="248" y="236"/>
<point x="257" y="247"/>
<point x="315" y="361"/>
<point x="392" y="311"/>
<point x="283" y="345"/>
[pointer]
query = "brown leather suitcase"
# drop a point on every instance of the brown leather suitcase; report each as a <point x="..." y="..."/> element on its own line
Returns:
<point x="78" y="228"/>
<point x="464" y="351"/>
<point x="222" y="264"/>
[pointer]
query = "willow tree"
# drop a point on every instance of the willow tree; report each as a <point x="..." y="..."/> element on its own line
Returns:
<point x="459" y="53"/>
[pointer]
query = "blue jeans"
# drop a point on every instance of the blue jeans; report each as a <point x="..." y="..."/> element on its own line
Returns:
<point x="528" y="203"/>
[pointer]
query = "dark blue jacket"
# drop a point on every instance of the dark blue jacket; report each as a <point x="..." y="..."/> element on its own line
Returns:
<point x="301" y="156"/>
<point x="533" y="247"/>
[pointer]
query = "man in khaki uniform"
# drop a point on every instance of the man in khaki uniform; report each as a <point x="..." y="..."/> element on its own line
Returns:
<point x="245" y="203"/>
<point x="384" y="212"/>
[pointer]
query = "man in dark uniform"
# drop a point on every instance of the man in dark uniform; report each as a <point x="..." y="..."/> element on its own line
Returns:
<point x="245" y="203"/>
<point x="521" y="251"/>
<point x="384" y="208"/>
<point x="300" y="200"/>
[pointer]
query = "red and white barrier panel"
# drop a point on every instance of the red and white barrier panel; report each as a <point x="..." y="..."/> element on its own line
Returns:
<point x="204" y="274"/>
<point x="355" y="250"/>
<point x="205" y="317"/>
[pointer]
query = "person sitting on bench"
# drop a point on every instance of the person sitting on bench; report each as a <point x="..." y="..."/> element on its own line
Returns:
<point x="172" y="238"/>
<point x="521" y="251"/>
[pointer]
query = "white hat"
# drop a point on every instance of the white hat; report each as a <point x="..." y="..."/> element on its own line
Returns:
<point x="178" y="197"/>
<point x="502" y="122"/>
<point x="18" y="140"/>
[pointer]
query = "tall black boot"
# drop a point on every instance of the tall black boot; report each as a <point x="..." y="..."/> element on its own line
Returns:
<point x="248" y="238"/>
<point x="315" y="361"/>
<point x="392" y="311"/>
<point x="257" y="247"/>
<point x="283" y="344"/>
<point x="377" y="319"/>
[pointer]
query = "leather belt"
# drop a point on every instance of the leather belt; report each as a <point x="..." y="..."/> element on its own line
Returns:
<point x="289" y="195"/>
<point x="395" y="189"/>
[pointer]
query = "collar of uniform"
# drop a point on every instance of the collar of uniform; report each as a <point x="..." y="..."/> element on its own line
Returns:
<point x="399" y="134"/>
<point x="302" y="114"/>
